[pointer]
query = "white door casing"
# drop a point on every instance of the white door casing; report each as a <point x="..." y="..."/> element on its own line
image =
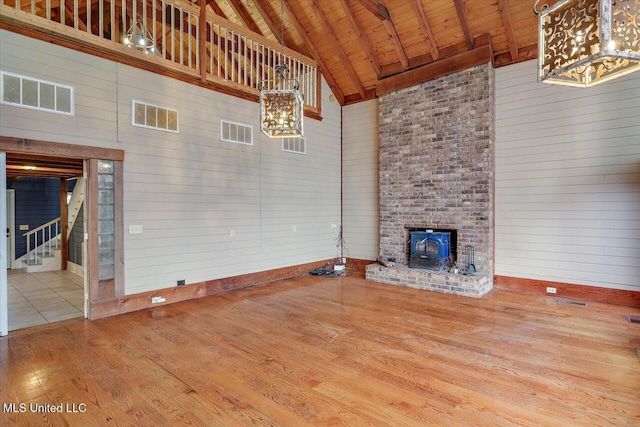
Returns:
<point x="4" y="302"/>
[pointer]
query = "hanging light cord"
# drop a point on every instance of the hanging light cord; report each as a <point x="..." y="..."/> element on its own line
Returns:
<point x="281" y="28"/>
<point x="282" y="68"/>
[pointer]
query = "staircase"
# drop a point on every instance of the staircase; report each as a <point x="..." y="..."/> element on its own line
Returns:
<point x="77" y="197"/>
<point x="43" y="243"/>
<point x="43" y="248"/>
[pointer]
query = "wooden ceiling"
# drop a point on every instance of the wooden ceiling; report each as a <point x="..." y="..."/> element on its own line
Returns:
<point x="35" y="166"/>
<point x="367" y="47"/>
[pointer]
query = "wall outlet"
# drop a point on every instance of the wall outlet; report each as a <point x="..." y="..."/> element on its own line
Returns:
<point x="157" y="300"/>
<point x="181" y="282"/>
<point x="135" y="229"/>
<point x="295" y="228"/>
<point x="232" y="233"/>
<point x="551" y="290"/>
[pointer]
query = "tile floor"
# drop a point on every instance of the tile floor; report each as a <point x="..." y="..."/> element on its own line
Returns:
<point x="39" y="298"/>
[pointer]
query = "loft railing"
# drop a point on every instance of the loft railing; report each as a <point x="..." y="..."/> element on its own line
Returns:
<point x="210" y="48"/>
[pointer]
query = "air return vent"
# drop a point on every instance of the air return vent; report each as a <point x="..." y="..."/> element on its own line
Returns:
<point x="633" y="319"/>
<point x="153" y="116"/>
<point x="36" y="94"/>
<point x="569" y="302"/>
<point x="236" y="132"/>
<point x="294" y="145"/>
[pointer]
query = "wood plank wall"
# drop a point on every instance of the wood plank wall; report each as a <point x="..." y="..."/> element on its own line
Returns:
<point x="189" y="190"/>
<point x="360" y="180"/>
<point x="94" y="81"/>
<point x="567" y="180"/>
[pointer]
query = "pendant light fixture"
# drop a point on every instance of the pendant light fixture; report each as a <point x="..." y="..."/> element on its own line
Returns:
<point x="281" y="104"/>
<point x="586" y="42"/>
<point x="138" y="36"/>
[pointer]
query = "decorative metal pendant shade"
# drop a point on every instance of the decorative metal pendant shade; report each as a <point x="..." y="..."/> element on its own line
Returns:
<point x="281" y="106"/>
<point x="586" y="42"/>
<point x="140" y="37"/>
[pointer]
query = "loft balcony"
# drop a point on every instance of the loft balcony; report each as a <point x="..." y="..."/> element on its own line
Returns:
<point x="170" y="37"/>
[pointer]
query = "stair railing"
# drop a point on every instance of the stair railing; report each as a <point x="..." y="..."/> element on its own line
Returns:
<point x="44" y="239"/>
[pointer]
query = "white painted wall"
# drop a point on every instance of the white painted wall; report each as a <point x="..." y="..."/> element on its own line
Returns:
<point x="189" y="190"/>
<point x="93" y="78"/>
<point x="360" y="180"/>
<point x="568" y="180"/>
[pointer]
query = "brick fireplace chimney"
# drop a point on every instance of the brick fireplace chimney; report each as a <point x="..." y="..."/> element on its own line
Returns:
<point x="437" y="171"/>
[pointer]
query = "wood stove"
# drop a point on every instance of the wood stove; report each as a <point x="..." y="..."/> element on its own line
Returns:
<point x="430" y="250"/>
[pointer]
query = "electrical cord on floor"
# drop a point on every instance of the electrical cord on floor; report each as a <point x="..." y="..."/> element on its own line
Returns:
<point x="322" y="271"/>
<point x="339" y="267"/>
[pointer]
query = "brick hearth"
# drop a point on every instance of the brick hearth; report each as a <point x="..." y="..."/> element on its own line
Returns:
<point x="438" y="281"/>
<point x="437" y="171"/>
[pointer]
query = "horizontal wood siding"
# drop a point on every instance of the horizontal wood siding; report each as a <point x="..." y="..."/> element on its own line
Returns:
<point x="302" y="191"/>
<point x="190" y="189"/>
<point x="94" y="82"/>
<point x="360" y="180"/>
<point x="568" y="180"/>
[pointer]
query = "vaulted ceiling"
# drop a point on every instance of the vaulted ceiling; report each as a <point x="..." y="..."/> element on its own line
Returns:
<point x="367" y="47"/>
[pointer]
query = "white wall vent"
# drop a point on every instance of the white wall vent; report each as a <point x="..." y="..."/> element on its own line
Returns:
<point x="153" y="116"/>
<point x="236" y="132"/>
<point x="36" y="94"/>
<point x="294" y="145"/>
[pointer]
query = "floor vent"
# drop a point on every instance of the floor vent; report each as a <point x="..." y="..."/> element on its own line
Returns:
<point x="633" y="319"/>
<point x="569" y="302"/>
<point x="638" y="353"/>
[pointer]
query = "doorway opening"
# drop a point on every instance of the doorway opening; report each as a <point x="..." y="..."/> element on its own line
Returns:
<point x="56" y="271"/>
<point x="45" y="280"/>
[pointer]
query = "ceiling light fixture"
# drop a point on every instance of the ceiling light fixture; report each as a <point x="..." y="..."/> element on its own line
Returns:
<point x="281" y="104"/>
<point x="587" y="42"/>
<point x="140" y="37"/>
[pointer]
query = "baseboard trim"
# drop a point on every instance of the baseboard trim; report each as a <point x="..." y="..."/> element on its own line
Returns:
<point x="135" y="302"/>
<point x="567" y="290"/>
<point x="227" y="284"/>
<point x="358" y="265"/>
<point x="141" y="301"/>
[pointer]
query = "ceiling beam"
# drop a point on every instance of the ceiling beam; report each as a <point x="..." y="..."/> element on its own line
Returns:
<point x="244" y="16"/>
<point x="257" y="5"/>
<point x="316" y="55"/>
<point x="426" y="28"/>
<point x="464" y="22"/>
<point x="463" y="61"/>
<point x="508" y="26"/>
<point x="362" y="38"/>
<point x="524" y="54"/>
<point x="337" y="46"/>
<point x="38" y="170"/>
<point x="216" y="9"/>
<point x="381" y="12"/>
<point x="374" y="7"/>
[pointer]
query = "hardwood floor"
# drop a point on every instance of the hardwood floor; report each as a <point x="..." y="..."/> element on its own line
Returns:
<point x="331" y="351"/>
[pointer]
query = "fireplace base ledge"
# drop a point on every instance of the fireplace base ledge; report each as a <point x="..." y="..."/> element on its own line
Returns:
<point x="476" y="285"/>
